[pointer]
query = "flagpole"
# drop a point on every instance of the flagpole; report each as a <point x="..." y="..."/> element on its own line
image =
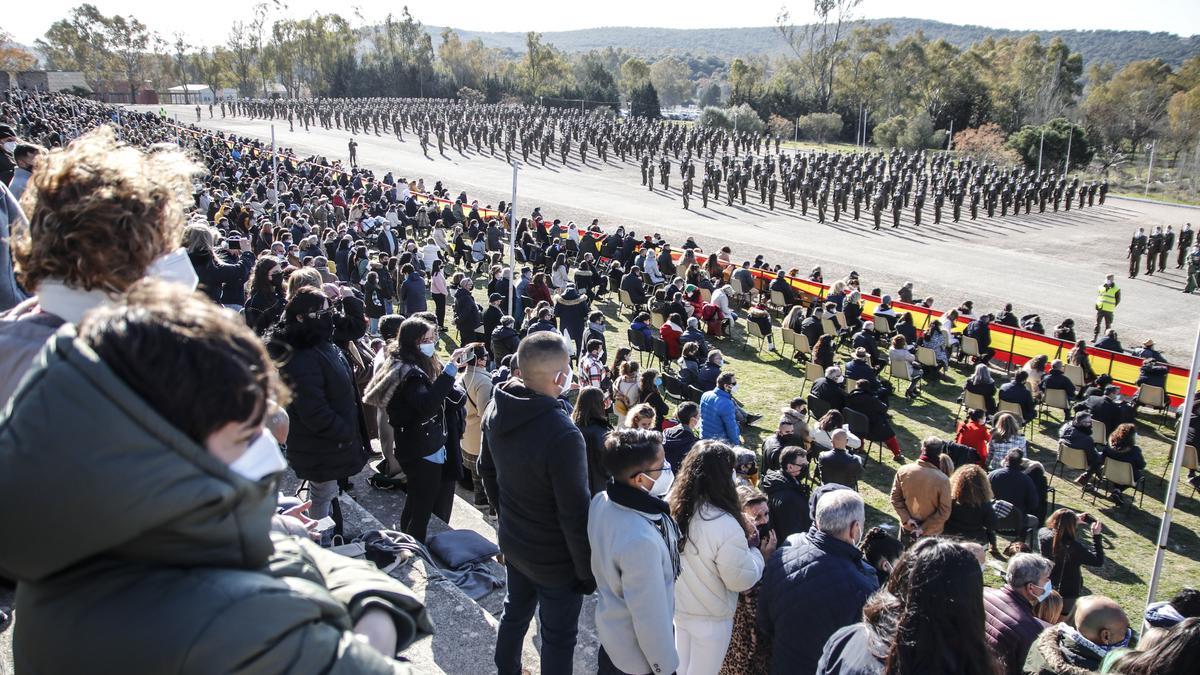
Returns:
<point x="512" y="244"/>
<point x="1176" y="464"/>
<point x="275" y="176"/>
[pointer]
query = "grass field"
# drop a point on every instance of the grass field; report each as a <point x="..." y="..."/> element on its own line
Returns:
<point x="769" y="380"/>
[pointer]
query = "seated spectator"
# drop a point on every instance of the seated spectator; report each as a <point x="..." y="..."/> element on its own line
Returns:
<point x="1077" y="433"/>
<point x="824" y="352"/>
<point x="1153" y="373"/>
<point x="1147" y="351"/>
<point x="1108" y="408"/>
<point x="1109" y="342"/>
<point x="784" y="436"/>
<point x="641" y="324"/>
<point x="1078" y="356"/>
<point x="192" y="524"/>
<point x="837" y="465"/>
<point x="1057" y="542"/>
<point x="1184" y="605"/>
<point x="1065" y="331"/>
<point x="1007" y="317"/>
<point x="1049" y="610"/>
<point x="822" y="568"/>
<point x="1056" y="379"/>
<point x="710" y="371"/>
<point x="829" y="388"/>
<point x="920" y="493"/>
<point x="859" y="369"/>
<point x="900" y="352"/>
<point x="671" y="332"/>
<point x="980" y="329"/>
<point x="917" y="625"/>
<point x="980" y="382"/>
<point x="974" y="434"/>
<point x="1017" y="391"/>
<point x="718" y="418"/>
<point x="866" y="340"/>
<point x="881" y="551"/>
<point x="787" y="494"/>
<point x="1010" y="626"/>
<point x="631" y="283"/>
<point x="937" y="339"/>
<point x="745" y="467"/>
<point x="780" y="284"/>
<point x="827" y="424"/>
<point x="1006" y="437"/>
<point x="1010" y="483"/>
<point x="1100" y="626"/>
<point x="971" y="514"/>
<point x="906" y="329"/>
<point x="759" y="316"/>
<point x="867" y="403"/>
<point x="693" y="334"/>
<point x="1122" y="447"/>
<point x="679" y="439"/>
<point x="648" y="393"/>
<point x="689" y="365"/>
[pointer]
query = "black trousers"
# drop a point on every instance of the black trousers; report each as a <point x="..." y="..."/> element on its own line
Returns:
<point x="429" y="493"/>
<point x="439" y="308"/>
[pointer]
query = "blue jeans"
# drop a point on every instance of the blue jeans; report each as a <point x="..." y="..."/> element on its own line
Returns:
<point x="558" y="608"/>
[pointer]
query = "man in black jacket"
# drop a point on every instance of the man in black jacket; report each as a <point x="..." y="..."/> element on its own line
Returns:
<point x="838" y="465"/>
<point x="1056" y="379"/>
<point x="980" y="329"/>
<point x="1017" y="392"/>
<point x="534" y="469"/>
<point x="830" y="389"/>
<point x="787" y="496"/>
<point x="679" y="439"/>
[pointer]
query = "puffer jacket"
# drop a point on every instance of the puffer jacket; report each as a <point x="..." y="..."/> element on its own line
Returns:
<point x="171" y="568"/>
<point x="328" y="432"/>
<point x="717" y="564"/>
<point x="817" y="571"/>
<point x="1055" y="653"/>
<point x="1009" y="625"/>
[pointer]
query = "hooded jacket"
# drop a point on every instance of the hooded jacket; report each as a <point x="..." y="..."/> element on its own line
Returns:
<point x="1055" y="653"/>
<point x="168" y="567"/>
<point x="534" y="470"/>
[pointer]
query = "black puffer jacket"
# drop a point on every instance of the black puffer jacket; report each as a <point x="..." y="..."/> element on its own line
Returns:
<point x="327" y="438"/>
<point x="223" y="282"/>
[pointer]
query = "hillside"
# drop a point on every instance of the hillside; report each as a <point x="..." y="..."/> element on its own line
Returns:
<point x="1099" y="46"/>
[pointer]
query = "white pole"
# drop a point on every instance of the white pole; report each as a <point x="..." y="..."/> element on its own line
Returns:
<point x="275" y="177"/>
<point x="1150" y="169"/>
<point x="1176" y="464"/>
<point x="1070" y="137"/>
<point x="1041" y="143"/>
<point x="950" y="138"/>
<point x="512" y="244"/>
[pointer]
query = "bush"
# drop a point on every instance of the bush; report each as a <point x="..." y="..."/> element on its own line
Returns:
<point x="469" y="95"/>
<point x="820" y="126"/>
<point x="915" y="132"/>
<point x="781" y="126"/>
<point x="744" y="118"/>
<point x="1028" y="139"/>
<point x="713" y="117"/>
<point x="887" y="133"/>
<point x="985" y="143"/>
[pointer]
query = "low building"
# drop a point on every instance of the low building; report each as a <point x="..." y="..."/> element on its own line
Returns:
<point x="52" y="80"/>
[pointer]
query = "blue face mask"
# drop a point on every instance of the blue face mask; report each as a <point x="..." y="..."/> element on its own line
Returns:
<point x="658" y="381"/>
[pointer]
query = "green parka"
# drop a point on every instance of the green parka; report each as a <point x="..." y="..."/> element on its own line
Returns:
<point x="136" y="551"/>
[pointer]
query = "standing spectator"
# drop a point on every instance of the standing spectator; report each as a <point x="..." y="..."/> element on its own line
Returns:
<point x="422" y="410"/>
<point x="476" y="383"/>
<point x="86" y="190"/>
<point x="1059" y="543"/>
<point x="592" y="421"/>
<point x="921" y="493"/>
<point x="373" y="302"/>
<point x="881" y="551"/>
<point x="438" y="291"/>
<point x="749" y="649"/>
<point x="493" y="314"/>
<point x="1011" y="625"/>
<point x="191" y="523"/>
<point x="1174" y="652"/>
<point x="971" y="515"/>
<point x="1100" y="627"/>
<point x="626" y="389"/>
<point x="787" y="497"/>
<point x="266" y="302"/>
<point x="929" y="619"/>
<point x="722" y="555"/>
<point x="648" y="393"/>
<point x="718" y="412"/>
<point x="679" y="439"/>
<point x="571" y="309"/>
<point x="25" y="156"/>
<point x="468" y="318"/>
<point x="534" y="466"/>
<point x="412" y="292"/>
<point x="635" y="558"/>
<point x="221" y="281"/>
<point x="824" y="569"/>
<point x="592" y="371"/>
<point x="328" y="439"/>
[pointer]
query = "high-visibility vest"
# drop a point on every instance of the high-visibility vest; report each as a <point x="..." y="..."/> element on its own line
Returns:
<point x="1107" y="300"/>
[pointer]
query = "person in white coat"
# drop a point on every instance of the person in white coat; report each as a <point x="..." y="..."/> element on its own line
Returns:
<point x="721" y="556"/>
<point x="635" y="557"/>
<point x="653" y="275"/>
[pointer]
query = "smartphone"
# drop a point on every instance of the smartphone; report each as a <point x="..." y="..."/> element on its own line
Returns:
<point x="764" y="531"/>
<point x="325" y="524"/>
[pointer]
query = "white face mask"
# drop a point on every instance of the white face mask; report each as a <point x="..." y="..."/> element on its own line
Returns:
<point x="262" y="458"/>
<point x="733" y="389"/>
<point x="662" y="484"/>
<point x="427" y="348"/>
<point x="175" y="267"/>
<point x="1045" y="591"/>
<point x="10" y="146"/>
<point x="568" y="377"/>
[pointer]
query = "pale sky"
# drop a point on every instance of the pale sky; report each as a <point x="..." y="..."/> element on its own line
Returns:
<point x="207" y="21"/>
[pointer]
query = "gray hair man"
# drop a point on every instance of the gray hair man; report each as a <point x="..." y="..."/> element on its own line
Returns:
<point x="1009" y="623"/>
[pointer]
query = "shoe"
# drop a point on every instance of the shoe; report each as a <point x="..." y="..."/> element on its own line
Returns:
<point x="382" y="482"/>
<point x="752" y="418"/>
<point x="899" y="459"/>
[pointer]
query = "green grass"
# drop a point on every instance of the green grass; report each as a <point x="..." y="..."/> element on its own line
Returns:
<point x="768" y="381"/>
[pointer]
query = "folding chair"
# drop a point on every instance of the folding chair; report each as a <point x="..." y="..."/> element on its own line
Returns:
<point x="788" y="340"/>
<point x="756" y="332"/>
<point x="1021" y="526"/>
<point x="970" y="401"/>
<point x="1069" y="458"/>
<point x="817" y="407"/>
<point x="1015" y="410"/>
<point x="658" y="348"/>
<point x="705" y="295"/>
<point x="1120" y="474"/>
<point x="1056" y="399"/>
<point x="802" y="346"/>
<point x="1152" y="396"/>
<point x="673" y="386"/>
<point x="969" y="346"/>
<point x="627" y="301"/>
<point x="657" y="319"/>
<point x="812" y="373"/>
<point x="883" y="324"/>
<point x="927" y="357"/>
<point x="1099" y="433"/>
<point x="898" y="371"/>
<point x="860" y="425"/>
<point x="1189" y="462"/>
<point x="778" y="302"/>
<point x="1074" y="373"/>
<point x="638" y="343"/>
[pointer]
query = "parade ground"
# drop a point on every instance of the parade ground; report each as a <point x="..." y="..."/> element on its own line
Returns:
<point x="1048" y="263"/>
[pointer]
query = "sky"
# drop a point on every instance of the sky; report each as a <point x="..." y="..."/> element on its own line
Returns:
<point x="207" y="22"/>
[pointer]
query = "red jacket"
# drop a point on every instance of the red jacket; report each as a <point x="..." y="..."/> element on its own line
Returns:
<point x="671" y="337"/>
<point x="976" y="436"/>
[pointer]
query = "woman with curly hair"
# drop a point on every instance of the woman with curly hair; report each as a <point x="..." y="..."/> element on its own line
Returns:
<point x="971" y="514"/>
<point x="722" y="555"/>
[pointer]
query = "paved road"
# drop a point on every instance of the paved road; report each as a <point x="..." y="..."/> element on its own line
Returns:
<point x="1046" y="263"/>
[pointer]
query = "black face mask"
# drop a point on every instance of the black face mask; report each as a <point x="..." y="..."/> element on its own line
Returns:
<point x="323" y="326"/>
<point x="763" y="531"/>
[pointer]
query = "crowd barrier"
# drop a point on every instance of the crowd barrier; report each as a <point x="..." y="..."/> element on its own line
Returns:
<point x="1011" y="345"/>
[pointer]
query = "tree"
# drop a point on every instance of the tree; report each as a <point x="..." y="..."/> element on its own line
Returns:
<point x="820" y="45"/>
<point x="985" y="143"/>
<point x="543" y="65"/>
<point x="129" y="39"/>
<point x="820" y="126"/>
<point x="634" y="73"/>
<point x="643" y="102"/>
<point x="213" y="68"/>
<point x="12" y="57"/>
<point x="1130" y="107"/>
<point x="711" y="95"/>
<point x="670" y="77"/>
<point x="242" y="57"/>
<point x="713" y="117"/>
<point x="78" y="43"/>
<point x="1051" y="140"/>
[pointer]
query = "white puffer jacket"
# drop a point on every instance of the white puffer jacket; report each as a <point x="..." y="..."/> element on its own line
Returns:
<point x="717" y="565"/>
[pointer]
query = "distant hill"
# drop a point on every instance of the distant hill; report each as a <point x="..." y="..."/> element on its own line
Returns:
<point x="1097" y="46"/>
